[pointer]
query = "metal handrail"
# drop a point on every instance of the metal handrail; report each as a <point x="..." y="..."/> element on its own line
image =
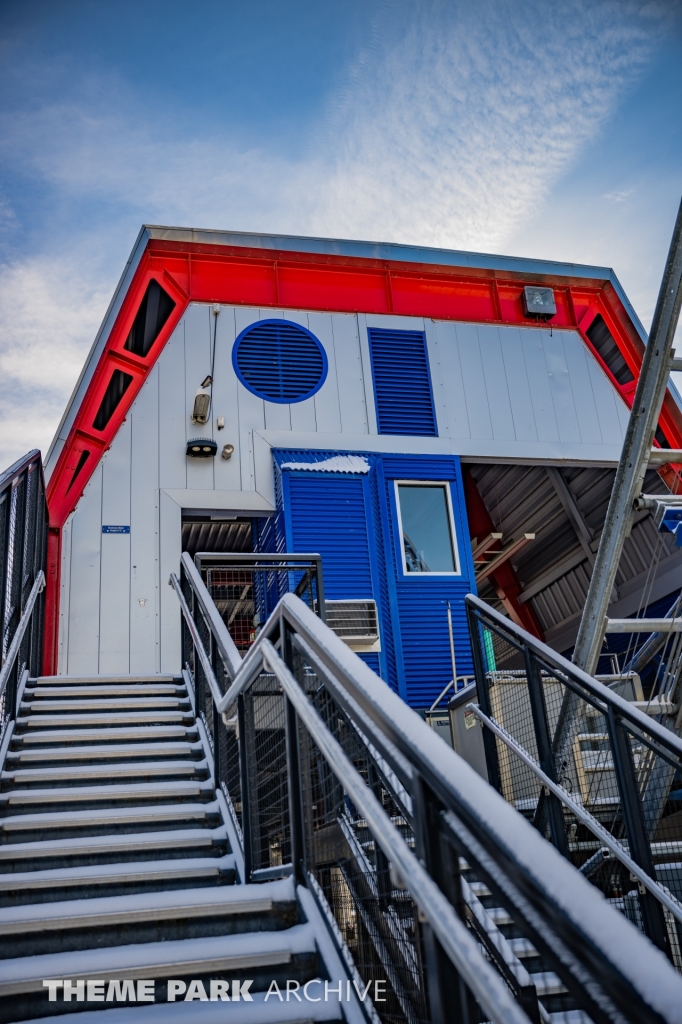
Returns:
<point x="488" y="988"/>
<point x="10" y="658"/>
<point x="561" y="900"/>
<point x="661" y="893"/>
<point x="16" y="467"/>
<point x="571" y="673"/>
<point x="226" y="645"/>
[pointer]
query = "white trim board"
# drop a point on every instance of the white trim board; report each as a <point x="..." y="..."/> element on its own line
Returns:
<point x="469" y="449"/>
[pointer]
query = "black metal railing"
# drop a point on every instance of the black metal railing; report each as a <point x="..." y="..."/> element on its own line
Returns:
<point x="329" y="776"/>
<point x="607" y="796"/>
<point x="245" y="588"/>
<point x="23" y="551"/>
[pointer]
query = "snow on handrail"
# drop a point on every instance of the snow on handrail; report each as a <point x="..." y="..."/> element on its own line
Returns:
<point x="624" y="708"/>
<point x="662" y="894"/>
<point x="515" y="841"/>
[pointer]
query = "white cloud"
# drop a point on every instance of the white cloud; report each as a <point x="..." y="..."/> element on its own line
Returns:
<point x="451" y="129"/>
<point x="619" y="196"/>
<point x="50" y="310"/>
<point x="461" y="128"/>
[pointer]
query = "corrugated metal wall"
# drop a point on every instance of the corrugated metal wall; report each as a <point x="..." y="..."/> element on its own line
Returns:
<point x="351" y="520"/>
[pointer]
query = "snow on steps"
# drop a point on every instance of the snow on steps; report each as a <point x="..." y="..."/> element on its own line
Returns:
<point x="157" y="853"/>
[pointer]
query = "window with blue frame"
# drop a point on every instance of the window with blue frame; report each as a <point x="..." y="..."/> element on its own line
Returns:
<point x="426" y="528"/>
<point x="402" y="383"/>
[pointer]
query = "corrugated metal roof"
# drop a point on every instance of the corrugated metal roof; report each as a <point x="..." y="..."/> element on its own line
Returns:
<point x="554" y="569"/>
<point x="205" y="535"/>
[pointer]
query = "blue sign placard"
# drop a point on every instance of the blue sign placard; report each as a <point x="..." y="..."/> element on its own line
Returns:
<point x="115" y="529"/>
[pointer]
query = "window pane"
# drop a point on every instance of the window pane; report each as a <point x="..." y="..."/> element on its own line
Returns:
<point x="427" y="540"/>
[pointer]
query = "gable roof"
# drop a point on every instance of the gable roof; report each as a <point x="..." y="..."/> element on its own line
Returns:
<point x="326" y="274"/>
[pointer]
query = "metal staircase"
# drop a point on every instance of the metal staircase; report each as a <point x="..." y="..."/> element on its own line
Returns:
<point x="171" y="849"/>
<point x="115" y="863"/>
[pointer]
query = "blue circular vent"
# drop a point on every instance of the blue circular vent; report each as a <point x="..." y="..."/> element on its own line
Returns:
<point x="279" y="361"/>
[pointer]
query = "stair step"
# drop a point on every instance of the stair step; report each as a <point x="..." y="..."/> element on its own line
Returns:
<point x="116" y="844"/>
<point x="522" y="948"/>
<point x="480" y="889"/>
<point x="156" y="689"/>
<point x="97" y="874"/>
<point x="37" y="886"/>
<point x="133" y="769"/>
<point x="94" y="704"/>
<point x="137" y="817"/>
<point x="499" y="916"/>
<point x="104" y="719"/>
<point x="215" y="956"/>
<point x="100" y="680"/>
<point x="547" y="983"/>
<point x="114" y="792"/>
<point x="110" y="752"/>
<point x="258" y="1011"/>
<point x="108" y="735"/>
<point x="157" y="906"/>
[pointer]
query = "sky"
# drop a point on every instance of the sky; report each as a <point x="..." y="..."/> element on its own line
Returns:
<point x="521" y="127"/>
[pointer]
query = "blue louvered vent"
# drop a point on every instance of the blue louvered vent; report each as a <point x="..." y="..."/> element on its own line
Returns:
<point x="279" y="361"/>
<point x="402" y="382"/>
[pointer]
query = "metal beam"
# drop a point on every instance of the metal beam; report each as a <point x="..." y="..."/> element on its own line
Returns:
<point x="565" y="496"/>
<point x="644" y="626"/>
<point x="637" y="446"/>
<point x="662" y="456"/>
<point x="504" y="556"/>
<point x="485" y="545"/>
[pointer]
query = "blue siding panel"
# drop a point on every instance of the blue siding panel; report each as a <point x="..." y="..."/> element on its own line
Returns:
<point x="422" y="603"/>
<point x="351" y="520"/>
<point x="328" y="515"/>
<point x="402" y="382"/>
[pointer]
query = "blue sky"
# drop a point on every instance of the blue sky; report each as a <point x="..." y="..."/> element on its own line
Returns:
<point x="515" y="126"/>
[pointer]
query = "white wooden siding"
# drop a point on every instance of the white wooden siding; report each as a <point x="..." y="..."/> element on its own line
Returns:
<point x="498" y="391"/>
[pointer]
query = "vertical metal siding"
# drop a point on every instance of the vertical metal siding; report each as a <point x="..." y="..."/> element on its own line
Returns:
<point x="351" y="521"/>
<point x="402" y="382"/>
<point x="328" y="515"/>
<point x="422" y="603"/>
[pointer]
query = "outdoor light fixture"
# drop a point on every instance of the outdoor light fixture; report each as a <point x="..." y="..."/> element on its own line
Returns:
<point x="228" y="450"/>
<point x="538" y="302"/>
<point x="202" y="406"/>
<point x="201" y="448"/>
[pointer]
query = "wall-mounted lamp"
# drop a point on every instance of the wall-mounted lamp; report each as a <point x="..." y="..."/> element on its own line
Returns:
<point x="201" y="407"/>
<point x="201" y="448"/>
<point x="538" y="302"/>
<point x="228" y="450"/>
<point x="220" y="422"/>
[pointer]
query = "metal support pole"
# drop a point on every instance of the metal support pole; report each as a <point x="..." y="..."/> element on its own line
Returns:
<point x="294" y="767"/>
<point x="452" y="650"/>
<point x="450" y="1001"/>
<point x="549" y="803"/>
<point x="489" y="742"/>
<point x="633" y="819"/>
<point x="651" y="386"/>
<point x="244" y="785"/>
<point x="296" y="826"/>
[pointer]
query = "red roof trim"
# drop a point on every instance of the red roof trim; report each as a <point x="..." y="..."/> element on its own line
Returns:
<point x="300" y="280"/>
